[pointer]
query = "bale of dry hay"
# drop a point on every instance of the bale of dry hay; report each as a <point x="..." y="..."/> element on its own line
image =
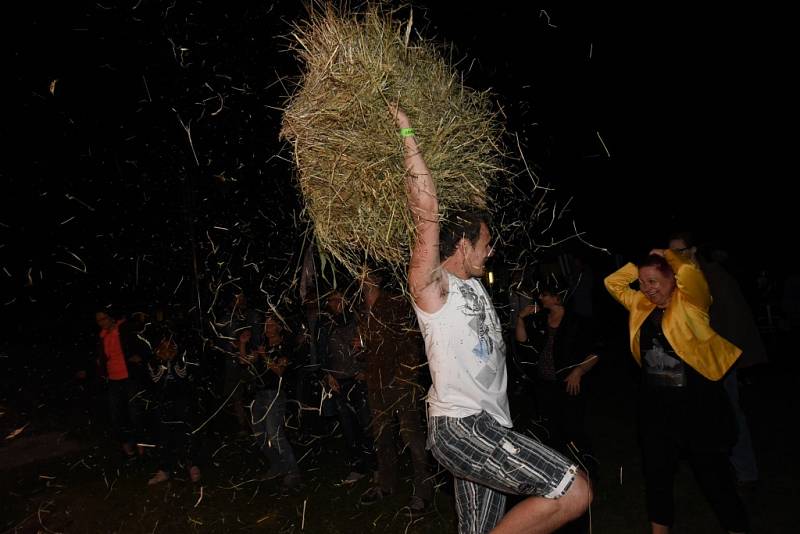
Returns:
<point x="347" y="151"/>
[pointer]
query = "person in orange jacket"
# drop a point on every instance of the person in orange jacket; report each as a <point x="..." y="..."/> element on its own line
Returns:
<point x="121" y="361"/>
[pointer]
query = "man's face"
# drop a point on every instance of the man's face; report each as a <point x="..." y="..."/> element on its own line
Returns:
<point x="475" y="256"/>
<point x="549" y="301"/>
<point x="656" y="286"/>
<point x="104" y="321"/>
<point x="679" y="246"/>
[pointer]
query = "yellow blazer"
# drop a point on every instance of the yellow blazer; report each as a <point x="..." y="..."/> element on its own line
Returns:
<point x="685" y="322"/>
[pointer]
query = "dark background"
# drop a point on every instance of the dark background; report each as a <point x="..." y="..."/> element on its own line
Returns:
<point x="99" y="174"/>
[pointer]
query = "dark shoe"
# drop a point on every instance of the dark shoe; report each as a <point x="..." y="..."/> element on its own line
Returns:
<point x="417" y="506"/>
<point x="373" y="495"/>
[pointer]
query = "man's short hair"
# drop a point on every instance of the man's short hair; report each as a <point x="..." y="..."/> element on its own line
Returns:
<point x="685" y="236"/>
<point x="461" y="224"/>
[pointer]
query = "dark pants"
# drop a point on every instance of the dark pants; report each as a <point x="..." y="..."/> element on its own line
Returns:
<point x="565" y="415"/>
<point x="174" y="434"/>
<point x="269" y="408"/>
<point x="666" y="434"/>
<point x="354" y="416"/>
<point x="742" y="456"/>
<point x="387" y="403"/>
<point x="125" y="410"/>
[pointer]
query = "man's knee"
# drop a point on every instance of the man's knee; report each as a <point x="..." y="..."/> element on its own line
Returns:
<point x="578" y="497"/>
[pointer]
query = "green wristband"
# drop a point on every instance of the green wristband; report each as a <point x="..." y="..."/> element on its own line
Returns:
<point x="407" y="132"/>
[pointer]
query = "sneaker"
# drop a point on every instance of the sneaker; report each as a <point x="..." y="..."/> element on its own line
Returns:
<point x="158" y="478"/>
<point x="353" y="477"/>
<point x="373" y="495"/>
<point x="194" y="473"/>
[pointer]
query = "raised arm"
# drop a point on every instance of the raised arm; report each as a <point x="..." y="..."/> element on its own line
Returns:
<point x="521" y="330"/>
<point x="689" y="279"/>
<point x="425" y="279"/>
<point x="618" y="284"/>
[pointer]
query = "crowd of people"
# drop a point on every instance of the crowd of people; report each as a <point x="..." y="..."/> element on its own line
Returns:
<point x="430" y="367"/>
<point x="359" y="362"/>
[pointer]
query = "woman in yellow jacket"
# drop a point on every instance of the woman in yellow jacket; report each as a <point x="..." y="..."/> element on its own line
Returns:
<point x="683" y="407"/>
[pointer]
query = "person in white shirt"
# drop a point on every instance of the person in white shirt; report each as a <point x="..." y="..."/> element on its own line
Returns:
<point x="469" y="424"/>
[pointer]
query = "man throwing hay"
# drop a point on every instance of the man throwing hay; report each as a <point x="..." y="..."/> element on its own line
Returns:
<point x="469" y="424"/>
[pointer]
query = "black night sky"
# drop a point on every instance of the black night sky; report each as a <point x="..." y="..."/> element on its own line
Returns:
<point x="144" y="134"/>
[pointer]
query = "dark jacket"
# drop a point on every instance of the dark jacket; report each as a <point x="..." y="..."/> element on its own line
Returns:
<point x="392" y="343"/>
<point x="573" y="343"/>
<point x="730" y="315"/>
<point x="260" y="375"/>
<point x="336" y="336"/>
<point x="170" y="379"/>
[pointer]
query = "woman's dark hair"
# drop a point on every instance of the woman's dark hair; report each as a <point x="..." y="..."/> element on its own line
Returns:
<point x="552" y="287"/>
<point x="462" y="224"/>
<point x="659" y="262"/>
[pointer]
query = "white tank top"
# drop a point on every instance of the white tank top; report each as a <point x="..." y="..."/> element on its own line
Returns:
<point x="466" y="354"/>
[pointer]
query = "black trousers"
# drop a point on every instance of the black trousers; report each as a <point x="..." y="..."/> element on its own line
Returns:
<point x="175" y="441"/>
<point x="565" y="416"/>
<point x="395" y="409"/>
<point x="666" y="435"/>
<point x="354" y="416"/>
<point x="125" y="410"/>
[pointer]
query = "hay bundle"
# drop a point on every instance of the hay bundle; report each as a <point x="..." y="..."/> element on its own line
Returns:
<point x="347" y="151"/>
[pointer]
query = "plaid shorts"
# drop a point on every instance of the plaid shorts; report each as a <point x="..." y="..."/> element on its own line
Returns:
<point x="488" y="461"/>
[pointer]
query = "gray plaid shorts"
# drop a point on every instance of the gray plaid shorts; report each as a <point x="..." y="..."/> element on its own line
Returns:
<point x="489" y="460"/>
